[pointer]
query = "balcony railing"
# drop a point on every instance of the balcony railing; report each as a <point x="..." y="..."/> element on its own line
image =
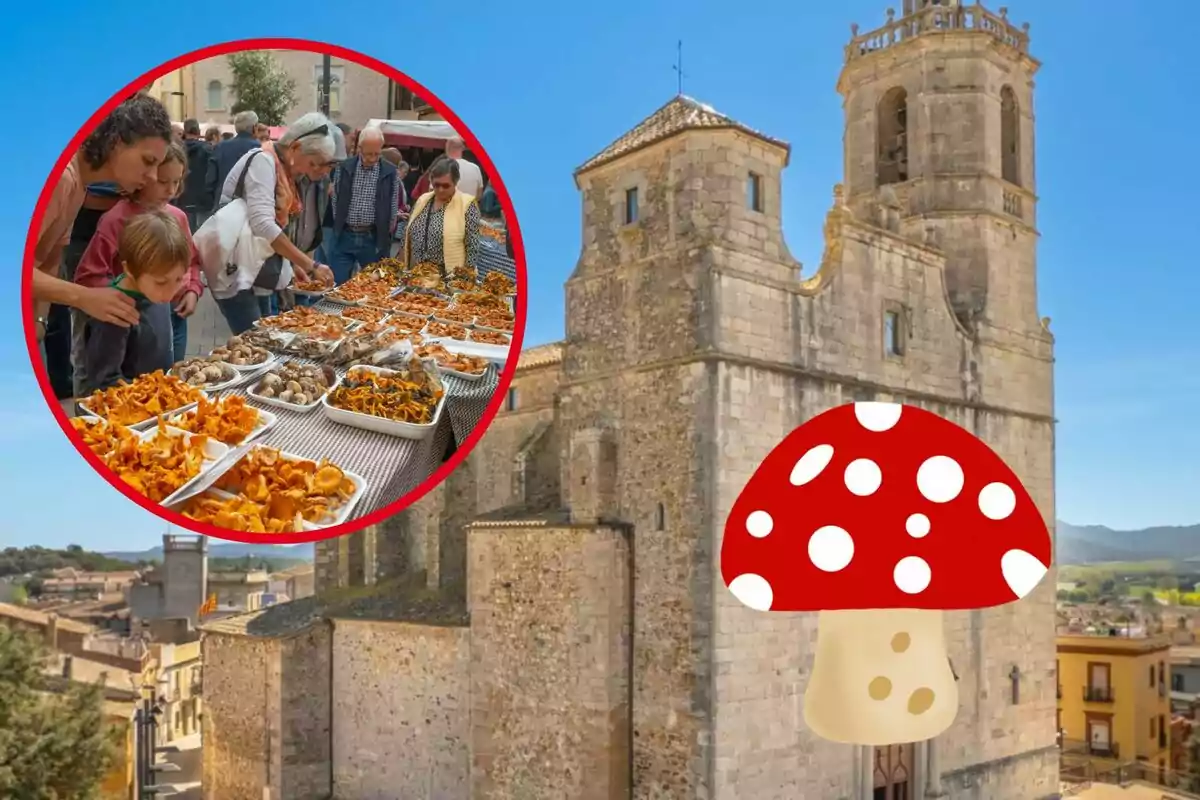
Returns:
<point x="1078" y="747"/>
<point x="1097" y="694"/>
<point x="937" y="19"/>
<point x="1014" y="205"/>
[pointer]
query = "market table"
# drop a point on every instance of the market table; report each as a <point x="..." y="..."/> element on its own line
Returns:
<point x="392" y="466"/>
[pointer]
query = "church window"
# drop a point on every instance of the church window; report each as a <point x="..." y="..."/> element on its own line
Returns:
<point x="1010" y="129"/>
<point x="660" y="517"/>
<point x="891" y="165"/>
<point x="510" y="402"/>
<point x="893" y="333"/>
<point x="754" y="192"/>
<point x="216" y="96"/>
<point x="631" y="206"/>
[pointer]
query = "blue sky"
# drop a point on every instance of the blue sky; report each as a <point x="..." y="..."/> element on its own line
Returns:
<point x="545" y="86"/>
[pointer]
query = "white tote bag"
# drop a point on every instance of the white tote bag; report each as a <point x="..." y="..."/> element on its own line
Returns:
<point x="231" y="256"/>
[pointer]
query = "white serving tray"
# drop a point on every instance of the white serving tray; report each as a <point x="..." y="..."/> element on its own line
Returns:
<point x="266" y="421"/>
<point x="496" y="354"/>
<point x="404" y="430"/>
<point x="137" y="427"/>
<point x="274" y="401"/>
<point x="238" y="377"/>
<point x="250" y="369"/>
<point x="343" y="512"/>
<point x="329" y="345"/>
<point x="214" y="451"/>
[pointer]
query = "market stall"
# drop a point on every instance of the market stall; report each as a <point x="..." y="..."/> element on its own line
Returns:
<point x="321" y="414"/>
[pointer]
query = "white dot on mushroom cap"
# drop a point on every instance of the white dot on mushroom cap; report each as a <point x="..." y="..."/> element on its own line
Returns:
<point x="752" y="591"/>
<point x="917" y="525"/>
<point x="811" y="464"/>
<point x="997" y="501"/>
<point x="830" y="548"/>
<point x="877" y="417"/>
<point x="912" y="575"/>
<point x="759" y="524"/>
<point x="940" y="479"/>
<point x="863" y="477"/>
<point x="1022" y="572"/>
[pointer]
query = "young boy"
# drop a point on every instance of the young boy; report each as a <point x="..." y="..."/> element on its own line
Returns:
<point x="154" y="253"/>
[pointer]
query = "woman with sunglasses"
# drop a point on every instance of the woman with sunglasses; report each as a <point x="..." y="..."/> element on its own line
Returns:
<point x="267" y="178"/>
<point x="443" y="228"/>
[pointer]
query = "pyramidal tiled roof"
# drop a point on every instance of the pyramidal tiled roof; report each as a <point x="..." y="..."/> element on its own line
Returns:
<point x="682" y="113"/>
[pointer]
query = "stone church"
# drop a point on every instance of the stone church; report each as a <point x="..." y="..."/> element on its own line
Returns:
<point x="551" y="621"/>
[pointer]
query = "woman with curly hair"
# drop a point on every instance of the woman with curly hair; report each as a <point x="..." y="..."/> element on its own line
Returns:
<point x="125" y="149"/>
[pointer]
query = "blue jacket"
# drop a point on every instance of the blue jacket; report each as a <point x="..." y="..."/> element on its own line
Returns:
<point x="224" y="156"/>
<point x="113" y="353"/>
<point x="385" y="203"/>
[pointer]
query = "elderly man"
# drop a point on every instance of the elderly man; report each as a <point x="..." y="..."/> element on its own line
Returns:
<point x="229" y="152"/>
<point x="366" y="204"/>
<point x="470" y="178"/>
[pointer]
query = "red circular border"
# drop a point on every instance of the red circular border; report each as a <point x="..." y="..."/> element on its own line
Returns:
<point x="43" y="377"/>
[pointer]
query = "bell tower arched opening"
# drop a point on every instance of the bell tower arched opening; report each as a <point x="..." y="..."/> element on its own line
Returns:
<point x="891" y="160"/>
<point x="1010" y="137"/>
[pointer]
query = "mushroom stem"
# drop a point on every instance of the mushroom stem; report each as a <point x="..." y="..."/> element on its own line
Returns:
<point x="880" y="677"/>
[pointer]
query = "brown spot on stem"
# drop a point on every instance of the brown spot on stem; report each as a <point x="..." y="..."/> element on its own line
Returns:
<point x="900" y="642"/>
<point x="879" y="688"/>
<point x="920" y="701"/>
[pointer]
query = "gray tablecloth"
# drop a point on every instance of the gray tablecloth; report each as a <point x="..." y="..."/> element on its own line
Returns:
<point x="391" y="466"/>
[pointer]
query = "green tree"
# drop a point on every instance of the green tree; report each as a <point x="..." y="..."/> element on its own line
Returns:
<point x="18" y="596"/>
<point x="53" y="746"/>
<point x="1148" y="598"/>
<point x="1168" y="583"/>
<point x="262" y="86"/>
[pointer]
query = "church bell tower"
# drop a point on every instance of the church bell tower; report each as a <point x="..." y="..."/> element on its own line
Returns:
<point x="939" y="125"/>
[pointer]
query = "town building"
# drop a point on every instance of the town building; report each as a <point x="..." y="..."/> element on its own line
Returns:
<point x="242" y="590"/>
<point x="549" y="622"/>
<point x="1185" y="674"/>
<point x="179" y="688"/>
<point x="177" y="587"/>
<point x="70" y="583"/>
<point x="293" y="583"/>
<point x="357" y="94"/>
<point x="1114" y="707"/>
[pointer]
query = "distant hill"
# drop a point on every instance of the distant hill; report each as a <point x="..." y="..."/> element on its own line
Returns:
<point x="1092" y="544"/>
<point x="275" y="552"/>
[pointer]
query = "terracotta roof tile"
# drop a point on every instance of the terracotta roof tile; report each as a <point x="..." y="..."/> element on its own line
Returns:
<point x="41" y="619"/>
<point x="682" y="113"/>
<point x="541" y="356"/>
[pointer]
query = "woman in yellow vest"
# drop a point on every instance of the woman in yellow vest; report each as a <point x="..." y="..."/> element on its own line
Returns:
<point x="444" y="225"/>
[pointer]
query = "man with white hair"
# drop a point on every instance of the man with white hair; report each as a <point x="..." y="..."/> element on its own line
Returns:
<point x="366" y="204"/>
<point x="470" y="177"/>
<point x="229" y="152"/>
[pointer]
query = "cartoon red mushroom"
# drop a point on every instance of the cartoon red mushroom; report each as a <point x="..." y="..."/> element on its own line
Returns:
<point x="881" y="517"/>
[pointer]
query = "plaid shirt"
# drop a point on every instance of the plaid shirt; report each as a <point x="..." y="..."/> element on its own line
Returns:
<point x="362" y="195"/>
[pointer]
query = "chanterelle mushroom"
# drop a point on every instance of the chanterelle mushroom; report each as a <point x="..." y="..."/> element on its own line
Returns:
<point x="881" y="516"/>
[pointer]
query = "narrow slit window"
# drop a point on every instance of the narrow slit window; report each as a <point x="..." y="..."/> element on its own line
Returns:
<point x="511" y="400"/>
<point x="631" y="206"/>
<point x="660" y="517"/>
<point x="893" y="334"/>
<point x="754" y="192"/>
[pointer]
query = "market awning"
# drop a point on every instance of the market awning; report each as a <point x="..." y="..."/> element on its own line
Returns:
<point x="426" y="134"/>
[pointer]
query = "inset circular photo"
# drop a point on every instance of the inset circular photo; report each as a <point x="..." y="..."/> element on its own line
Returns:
<point x="274" y="291"/>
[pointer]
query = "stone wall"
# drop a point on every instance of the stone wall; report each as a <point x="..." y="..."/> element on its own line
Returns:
<point x="240" y="716"/>
<point x="514" y="463"/>
<point x="305" y="663"/>
<point x="831" y="351"/>
<point x="550" y="660"/>
<point x="400" y="711"/>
